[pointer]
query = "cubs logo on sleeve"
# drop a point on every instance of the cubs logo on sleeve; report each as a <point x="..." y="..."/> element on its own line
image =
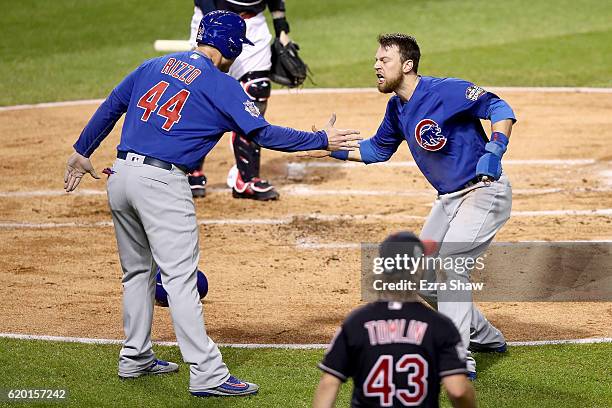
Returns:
<point x="428" y="135"/>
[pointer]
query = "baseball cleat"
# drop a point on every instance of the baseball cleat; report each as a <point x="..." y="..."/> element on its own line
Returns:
<point x="158" y="367"/>
<point x="197" y="182"/>
<point x="256" y="189"/>
<point x="232" y="387"/>
<point x="481" y="348"/>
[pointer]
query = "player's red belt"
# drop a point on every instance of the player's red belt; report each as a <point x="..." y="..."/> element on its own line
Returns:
<point x="246" y="15"/>
<point x="152" y="161"/>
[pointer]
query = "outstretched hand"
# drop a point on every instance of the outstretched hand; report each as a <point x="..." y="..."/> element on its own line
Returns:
<point x="340" y="139"/>
<point x="337" y="139"/>
<point x="76" y="167"/>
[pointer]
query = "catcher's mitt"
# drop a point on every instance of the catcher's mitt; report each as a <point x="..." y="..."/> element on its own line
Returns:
<point x="288" y="69"/>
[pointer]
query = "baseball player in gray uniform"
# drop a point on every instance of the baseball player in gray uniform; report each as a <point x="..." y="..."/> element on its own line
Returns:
<point x="178" y="107"/>
<point x="439" y="118"/>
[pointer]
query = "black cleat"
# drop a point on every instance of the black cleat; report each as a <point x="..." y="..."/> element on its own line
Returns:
<point x="256" y="189"/>
<point x="197" y="182"/>
<point x="480" y="348"/>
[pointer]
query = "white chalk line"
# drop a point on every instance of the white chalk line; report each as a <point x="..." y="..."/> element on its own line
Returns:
<point x="291" y="346"/>
<point x="43" y="105"/>
<point x="557" y="342"/>
<point x="50" y="193"/>
<point x="309" y="244"/>
<point x="300" y="166"/>
<point x="549" y="213"/>
<point x="373" y="90"/>
<point x="323" y="91"/>
<point x="306" y="190"/>
<point x="603" y="212"/>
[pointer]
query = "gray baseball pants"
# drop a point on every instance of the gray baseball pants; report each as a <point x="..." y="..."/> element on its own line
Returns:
<point x="155" y="224"/>
<point x="465" y="223"/>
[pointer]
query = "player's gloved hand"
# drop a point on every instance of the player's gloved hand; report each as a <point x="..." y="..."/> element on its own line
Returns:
<point x="490" y="163"/>
<point x="76" y="167"/>
<point x="340" y="139"/>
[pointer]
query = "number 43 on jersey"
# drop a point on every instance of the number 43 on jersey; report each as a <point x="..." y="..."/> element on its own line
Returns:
<point x="379" y="382"/>
<point x="171" y="110"/>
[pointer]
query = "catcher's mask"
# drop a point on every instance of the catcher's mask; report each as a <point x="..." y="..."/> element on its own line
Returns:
<point x="224" y="30"/>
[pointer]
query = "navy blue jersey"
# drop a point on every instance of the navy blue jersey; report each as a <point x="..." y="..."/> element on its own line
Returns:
<point x="396" y="354"/>
<point x="441" y="124"/>
<point x="178" y="107"/>
<point x="238" y="7"/>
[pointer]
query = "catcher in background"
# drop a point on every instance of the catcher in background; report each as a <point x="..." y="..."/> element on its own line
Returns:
<point x="397" y="350"/>
<point x="252" y="69"/>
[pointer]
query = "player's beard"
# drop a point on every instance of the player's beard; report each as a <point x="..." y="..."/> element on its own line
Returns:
<point x="390" y="84"/>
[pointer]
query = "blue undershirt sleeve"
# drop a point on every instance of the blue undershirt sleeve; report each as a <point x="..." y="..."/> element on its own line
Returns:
<point x="497" y="110"/>
<point x="373" y="152"/>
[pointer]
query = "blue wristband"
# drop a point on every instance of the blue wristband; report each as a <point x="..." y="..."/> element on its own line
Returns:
<point x="340" y="154"/>
<point x="498" y="144"/>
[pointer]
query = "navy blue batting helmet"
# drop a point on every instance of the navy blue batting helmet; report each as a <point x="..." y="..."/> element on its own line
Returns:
<point x="405" y="243"/>
<point x="224" y="30"/>
<point x="161" y="296"/>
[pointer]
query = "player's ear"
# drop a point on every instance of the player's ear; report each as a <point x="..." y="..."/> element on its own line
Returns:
<point x="407" y="66"/>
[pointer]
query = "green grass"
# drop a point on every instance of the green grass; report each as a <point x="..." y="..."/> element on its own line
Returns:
<point x="77" y="49"/>
<point x="90" y="374"/>
<point x="549" y="376"/>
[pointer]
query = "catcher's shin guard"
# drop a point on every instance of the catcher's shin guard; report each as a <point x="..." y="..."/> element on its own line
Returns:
<point x="258" y="86"/>
<point x="247" y="153"/>
<point x="246" y="183"/>
<point x="248" y="156"/>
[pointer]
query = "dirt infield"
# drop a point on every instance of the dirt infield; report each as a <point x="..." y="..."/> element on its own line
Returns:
<point x="292" y="278"/>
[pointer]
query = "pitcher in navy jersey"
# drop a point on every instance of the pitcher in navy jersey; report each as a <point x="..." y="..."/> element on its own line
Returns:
<point x="177" y="108"/>
<point x="396" y="350"/>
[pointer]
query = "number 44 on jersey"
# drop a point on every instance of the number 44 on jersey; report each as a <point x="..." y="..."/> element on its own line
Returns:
<point x="171" y="110"/>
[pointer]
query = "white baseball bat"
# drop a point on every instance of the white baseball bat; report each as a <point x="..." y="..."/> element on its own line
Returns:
<point x="171" y="45"/>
